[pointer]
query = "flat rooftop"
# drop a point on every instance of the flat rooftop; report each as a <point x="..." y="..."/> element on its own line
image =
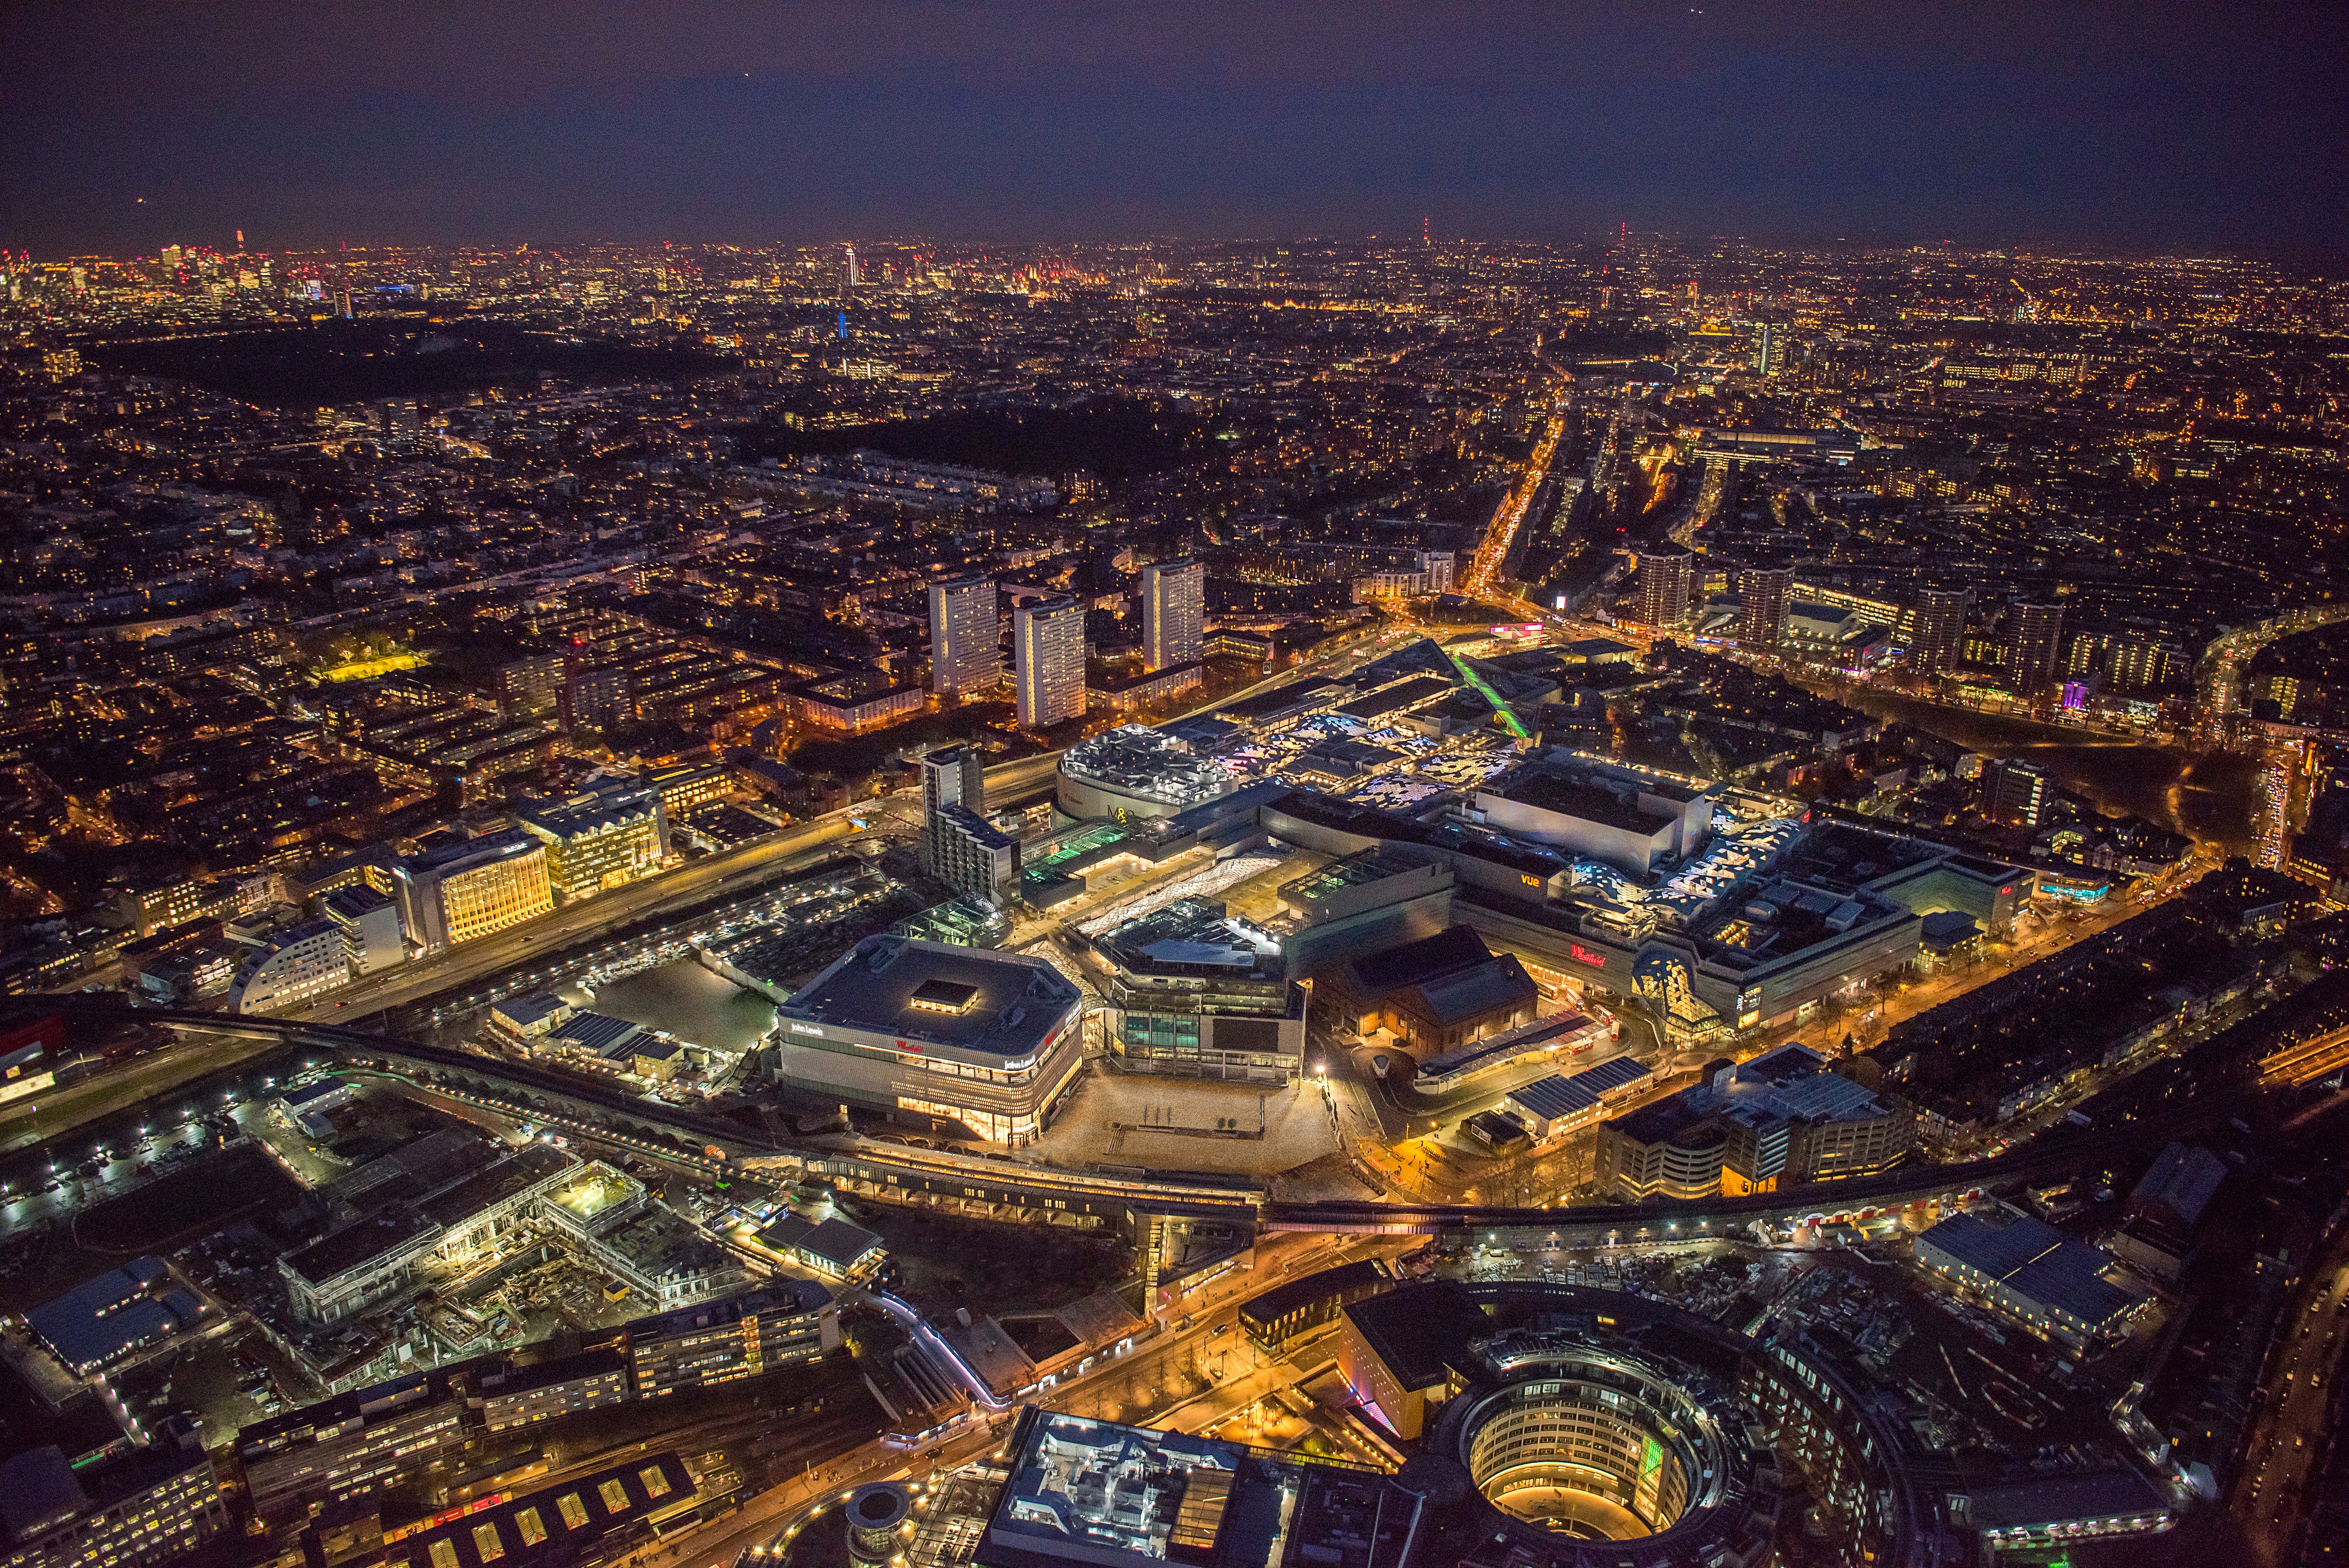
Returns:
<point x="531" y="1164"/>
<point x="2037" y="1262"/>
<point x="1119" y="1497"/>
<point x="595" y="1189"/>
<point x="1192" y="936"/>
<point x="1012" y="1003"/>
<point x="1559" y="1097"/>
<point x="1150" y="764"/>
<point x="657" y="1244"/>
<point x="339" y="1251"/>
<point x="1583" y="800"/>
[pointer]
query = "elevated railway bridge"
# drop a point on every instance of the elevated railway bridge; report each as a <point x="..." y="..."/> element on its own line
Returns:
<point x="1154" y="1206"/>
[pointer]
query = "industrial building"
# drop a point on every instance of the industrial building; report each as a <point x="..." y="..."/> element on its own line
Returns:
<point x="113" y="1315"/>
<point x="1552" y="1106"/>
<point x="2058" y="1288"/>
<point x="1377" y="898"/>
<point x="1435" y="994"/>
<point x="1631" y="818"/>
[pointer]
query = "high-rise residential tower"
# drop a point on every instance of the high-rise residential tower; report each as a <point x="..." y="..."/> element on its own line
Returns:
<point x="959" y="846"/>
<point x="964" y="658"/>
<point x="1762" y="596"/>
<point x="2035" y="638"/>
<point x="1940" y="639"/>
<point x="1667" y="575"/>
<point x="1174" y="613"/>
<point x="1048" y="652"/>
<point x="954" y="776"/>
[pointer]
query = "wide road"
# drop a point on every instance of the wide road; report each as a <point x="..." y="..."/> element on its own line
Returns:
<point x="1484" y="567"/>
<point x="2287" y="1440"/>
<point x="1171" y="1367"/>
<point x="573" y="925"/>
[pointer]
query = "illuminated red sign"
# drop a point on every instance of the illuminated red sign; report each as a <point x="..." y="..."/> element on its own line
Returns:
<point x="1584" y="955"/>
<point x="2004" y="891"/>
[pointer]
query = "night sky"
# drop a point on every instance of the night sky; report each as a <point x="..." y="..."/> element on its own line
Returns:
<point x="2217" y="126"/>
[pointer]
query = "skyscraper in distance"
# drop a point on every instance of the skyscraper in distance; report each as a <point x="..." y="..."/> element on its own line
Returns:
<point x="1047" y="653"/>
<point x="1762" y="596"/>
<point x="1174" y="613"/>
<point x="964" y="634"/>
<point x="1667" y="575"/>
<point x="1940" y="639"/>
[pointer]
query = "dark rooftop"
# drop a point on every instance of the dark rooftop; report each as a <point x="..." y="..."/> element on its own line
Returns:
<point x="1280" y="1302"/>
<point x="1420" y="1330"/>
<point x="339" y="1251"/>
<point x="1013" y="1005"/>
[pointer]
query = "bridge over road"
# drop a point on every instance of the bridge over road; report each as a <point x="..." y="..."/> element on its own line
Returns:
<point x="746" y="1148"/>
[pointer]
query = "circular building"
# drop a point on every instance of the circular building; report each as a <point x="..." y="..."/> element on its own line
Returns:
<point x="1136" y="771"/>
<point x="875" y="1514"/>
<point x="1586" y="1427"/>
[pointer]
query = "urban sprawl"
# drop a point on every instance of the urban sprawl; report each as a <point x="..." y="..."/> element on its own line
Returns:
<point x="1356" y="904"/>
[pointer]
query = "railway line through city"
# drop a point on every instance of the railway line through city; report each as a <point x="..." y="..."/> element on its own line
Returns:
<point x="937" y="1178"/>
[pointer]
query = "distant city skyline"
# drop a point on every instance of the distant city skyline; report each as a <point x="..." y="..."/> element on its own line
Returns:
<point x="2177" y="128"/>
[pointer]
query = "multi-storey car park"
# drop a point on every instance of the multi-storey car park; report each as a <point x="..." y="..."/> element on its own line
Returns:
<point x="1137" y="771"/>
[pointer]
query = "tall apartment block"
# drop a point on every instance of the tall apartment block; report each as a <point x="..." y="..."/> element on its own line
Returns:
<point x="1667" y="577"/>
<point x="1174" y="613"/>
<point x="2034" y="636"/>
<point x="1048" y="652"/>
<point x="1940" y="639"/>
<point x="964" y="659"/>
<point x="1762" y="596"/>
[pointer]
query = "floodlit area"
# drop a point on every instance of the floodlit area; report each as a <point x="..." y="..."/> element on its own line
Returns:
<point x="1180" y="1124"/>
